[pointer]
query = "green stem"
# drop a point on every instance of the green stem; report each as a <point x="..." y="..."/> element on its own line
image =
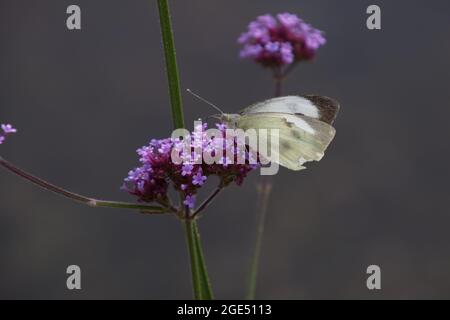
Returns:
<point x="173" y="77"/>
<point x="200" y="279"/>
<point x="264" y="190"/>
<point x="207" y="202"/>
<point x="278" y="87"/>
<point x="195" y="269"/>
<point x="77" y="197"/>
<point x="206" y="283"/>
<point x="125" y="205"/>
<point x="278" y="77"/>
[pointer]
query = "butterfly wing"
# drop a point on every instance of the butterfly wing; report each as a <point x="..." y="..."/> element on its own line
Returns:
<point x="317" y="107"/>
<point x="301" y="139"/>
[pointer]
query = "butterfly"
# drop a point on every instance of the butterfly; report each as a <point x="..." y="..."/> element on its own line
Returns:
<point x="304" y="125"/>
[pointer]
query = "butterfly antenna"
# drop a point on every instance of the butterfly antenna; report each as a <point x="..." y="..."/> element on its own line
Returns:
<point x="204" y="100"/>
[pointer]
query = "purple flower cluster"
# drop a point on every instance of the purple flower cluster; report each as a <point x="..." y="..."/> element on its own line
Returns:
<point x="281" y="40"/>
<point x="6" y="130"/>
<point x="150" y="182"/>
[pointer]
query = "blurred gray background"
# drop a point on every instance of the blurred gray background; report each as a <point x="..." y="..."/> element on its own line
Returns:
<point x="84" y="101"/>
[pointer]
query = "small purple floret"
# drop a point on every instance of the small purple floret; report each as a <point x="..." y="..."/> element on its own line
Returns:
<point x="7" y="129"/>
<point x="199" y="179"/>
<point x="151" y="181"/>
<point x="186" y="169"/>
<point x="189" y="201"/>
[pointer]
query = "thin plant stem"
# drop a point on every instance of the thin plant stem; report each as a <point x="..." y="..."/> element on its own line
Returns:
<point x="195" y="269"/>
<point x="264" y="191"/>
<point x="288" y="70"/>
<point x="205" y="282"/>
<point x="173" y="77"/>
<point x="200" y="279"/>
<point x="207" y="201"/>
<point x="278" y="87"/>
<point x="77" y="197"/>
<point x="278" y="77"/>
<point x="201" y="283"/>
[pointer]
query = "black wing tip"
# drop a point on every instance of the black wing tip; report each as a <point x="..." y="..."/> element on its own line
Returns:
<point x="329" y="107"/>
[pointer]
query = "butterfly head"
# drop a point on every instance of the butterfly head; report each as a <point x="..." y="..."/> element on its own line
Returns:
<point x="229" y="118"/>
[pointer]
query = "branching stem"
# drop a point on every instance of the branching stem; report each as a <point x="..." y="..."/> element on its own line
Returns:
<point x="77" y="197"/>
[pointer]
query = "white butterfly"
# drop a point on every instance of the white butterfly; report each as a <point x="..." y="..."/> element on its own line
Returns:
<point x="303" y="122"/>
